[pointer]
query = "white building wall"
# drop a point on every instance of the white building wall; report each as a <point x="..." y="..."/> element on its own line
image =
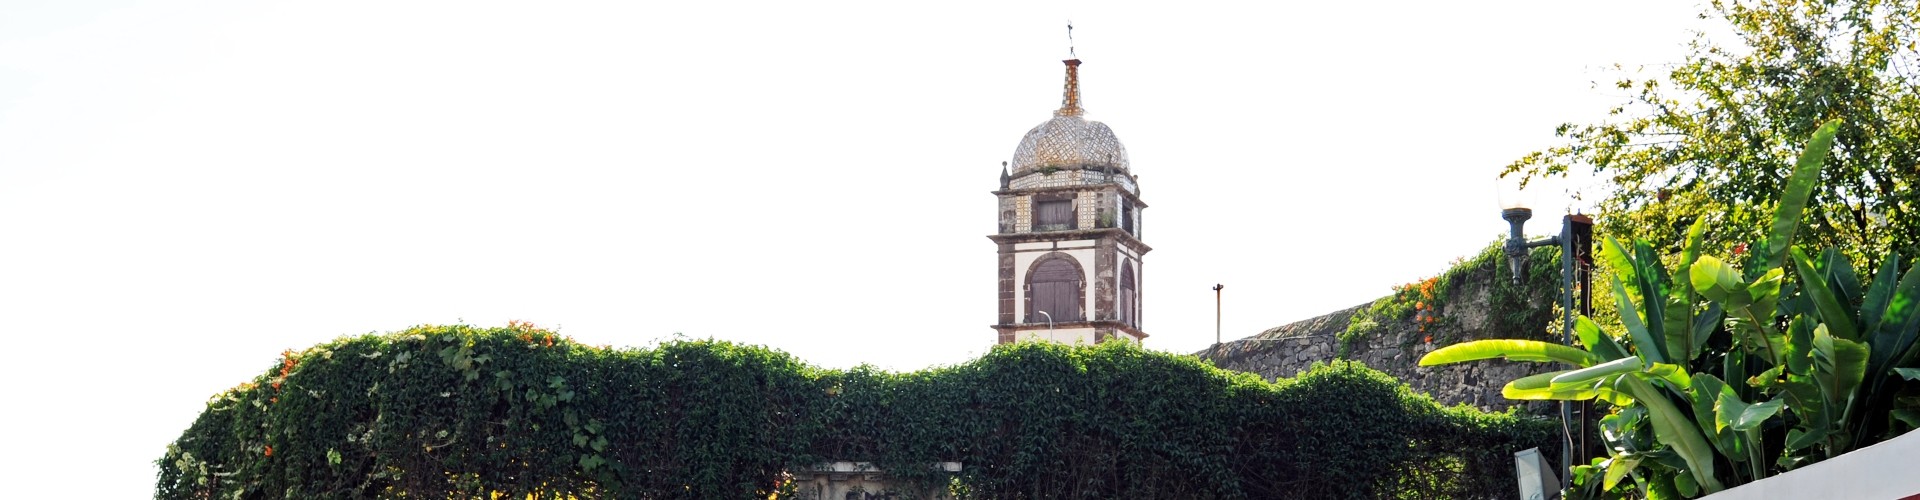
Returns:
<point x="1080" y="250"/>
<point x="1061" y="335"/>
<point x="1884" y="470"/>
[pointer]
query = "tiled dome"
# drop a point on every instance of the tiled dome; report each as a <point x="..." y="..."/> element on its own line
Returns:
<point x="1068" y="141"/>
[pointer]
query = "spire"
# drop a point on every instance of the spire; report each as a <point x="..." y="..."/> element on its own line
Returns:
<point x="1070" y="103"/>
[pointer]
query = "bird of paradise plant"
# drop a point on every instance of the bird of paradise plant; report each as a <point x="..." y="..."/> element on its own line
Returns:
<point x="1720" y="369"/>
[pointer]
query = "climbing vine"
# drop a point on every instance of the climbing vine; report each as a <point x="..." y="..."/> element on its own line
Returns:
<point x="1514" y="311"/>
<point x="520" y="412"/>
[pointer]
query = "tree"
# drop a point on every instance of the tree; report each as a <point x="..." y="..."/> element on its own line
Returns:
<point x="1705" y="139"/>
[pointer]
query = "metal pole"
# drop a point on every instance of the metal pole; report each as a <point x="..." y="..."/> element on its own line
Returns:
<point x="1580" y="227"/>
<point x="1216" y="312"/>
<point x="1216" y="323"/>
<point x="1566" y="338"/>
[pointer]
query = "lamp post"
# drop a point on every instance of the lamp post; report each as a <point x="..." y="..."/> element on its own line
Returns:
<point x="1576" y="277"/>
<point x="1049" y="323"/>
<point x="1216" y="323"/>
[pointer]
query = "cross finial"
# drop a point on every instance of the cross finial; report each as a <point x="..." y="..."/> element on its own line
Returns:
<point x="1070" y="52"/>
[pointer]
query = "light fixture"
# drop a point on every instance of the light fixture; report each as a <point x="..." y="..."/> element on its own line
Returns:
<point x="1516" y="206"/>
<point x="1576" y="249"/>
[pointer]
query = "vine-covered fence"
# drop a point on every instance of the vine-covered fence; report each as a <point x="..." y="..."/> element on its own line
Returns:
<point x="518" y="412"/>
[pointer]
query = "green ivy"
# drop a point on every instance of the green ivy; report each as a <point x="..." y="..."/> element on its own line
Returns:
<point x="1515" y="311"/>
<point x="514" y="412"/>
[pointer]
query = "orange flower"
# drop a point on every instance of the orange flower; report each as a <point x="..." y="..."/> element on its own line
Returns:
<point x="269" y="450"/>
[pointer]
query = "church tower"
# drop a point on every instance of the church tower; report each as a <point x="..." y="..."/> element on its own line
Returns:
<point x="1069" y="232"/>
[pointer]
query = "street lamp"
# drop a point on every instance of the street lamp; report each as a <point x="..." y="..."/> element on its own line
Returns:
<point x="1576" y="247"/>
<point x="1213" y="355"/>
<point x="1049" y="323"/>
<point x="1216" y="317"/>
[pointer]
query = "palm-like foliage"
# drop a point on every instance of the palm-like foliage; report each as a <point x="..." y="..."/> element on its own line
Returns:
<point x="1721" y="376"/>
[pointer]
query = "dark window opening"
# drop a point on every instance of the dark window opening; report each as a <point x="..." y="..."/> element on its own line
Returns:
<point x="1053" y="215"/>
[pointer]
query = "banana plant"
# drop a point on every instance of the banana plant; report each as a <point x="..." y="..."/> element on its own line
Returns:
<point x="1678" y="375"/>
<point x="1646" y="373"/>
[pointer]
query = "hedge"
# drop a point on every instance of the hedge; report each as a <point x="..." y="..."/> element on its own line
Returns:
<point x="519" y="412"/>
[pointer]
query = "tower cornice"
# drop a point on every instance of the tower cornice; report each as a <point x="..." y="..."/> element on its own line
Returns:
<point x="1120" y="236"/>
<point x="1076" y="188"/>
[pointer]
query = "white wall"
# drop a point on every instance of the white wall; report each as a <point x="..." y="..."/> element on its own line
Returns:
<point x="1026" y="253"/>
<point x="1885" y="471"/>
<point x="1061" y="335"/>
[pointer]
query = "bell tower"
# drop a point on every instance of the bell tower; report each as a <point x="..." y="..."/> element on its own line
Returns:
<point x="1069" y="233"/>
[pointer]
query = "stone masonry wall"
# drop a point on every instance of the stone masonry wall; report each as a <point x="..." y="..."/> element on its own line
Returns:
<point x="1287" y="350"/>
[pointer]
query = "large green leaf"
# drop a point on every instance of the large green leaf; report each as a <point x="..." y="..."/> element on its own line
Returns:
<point x="1540" y="387"/>
<point x="1840" y="365"/>
<point x="1595" y="372"/>
<point x="1691" y="250"/>
<point x="1833" y="312"/>
<point x="1620" y="262"/>
<point x="1770" y="378"/>
<point x="1653" y="302"/>
<point x="1514" y="350"/>
<point x="1714" y="279"/>
<point x="1734" y="368"/>
<point x="1597" y="342"/>
<point x="1764" y="291"/>
<point x="1704" y="324"/>
<point x="1799" y="438"/>
<point x="1674" y="375"/>
<point x="1735" y="414"/>
<point x="1799" y="357"/>
<point x="1751" y="319"/>
<point x="1687" y="486"/>
<point x="1899" y="329"/>
<point x="1618" y="468"/>
<point x="1672" y="428"/>
<point x="1681" y="316"/>
<point x="1704" y="396"/>
<point x="1874" y="312"/>
<point x="1879" y="294"/>
<point x="1786" y="215"/>
<point x="1838" y="271"/>
<point x="1644" y="343"/>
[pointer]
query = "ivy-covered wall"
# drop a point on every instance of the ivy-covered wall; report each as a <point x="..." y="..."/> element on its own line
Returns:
<point x="463" y="412"/>
<point x="1474" y="299"/>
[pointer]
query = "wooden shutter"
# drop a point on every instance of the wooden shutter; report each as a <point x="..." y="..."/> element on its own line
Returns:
<point x="1053" y="215"/>
<point x="1129" y="297"/>
<point x="1055" y="288"/>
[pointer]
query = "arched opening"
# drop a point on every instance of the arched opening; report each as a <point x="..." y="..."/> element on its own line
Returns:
<point x="1054" y="285"/>
<point x="1129" y="297"/>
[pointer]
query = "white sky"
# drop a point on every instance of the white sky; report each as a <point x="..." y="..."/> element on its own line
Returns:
<point x="186" y="189"/>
